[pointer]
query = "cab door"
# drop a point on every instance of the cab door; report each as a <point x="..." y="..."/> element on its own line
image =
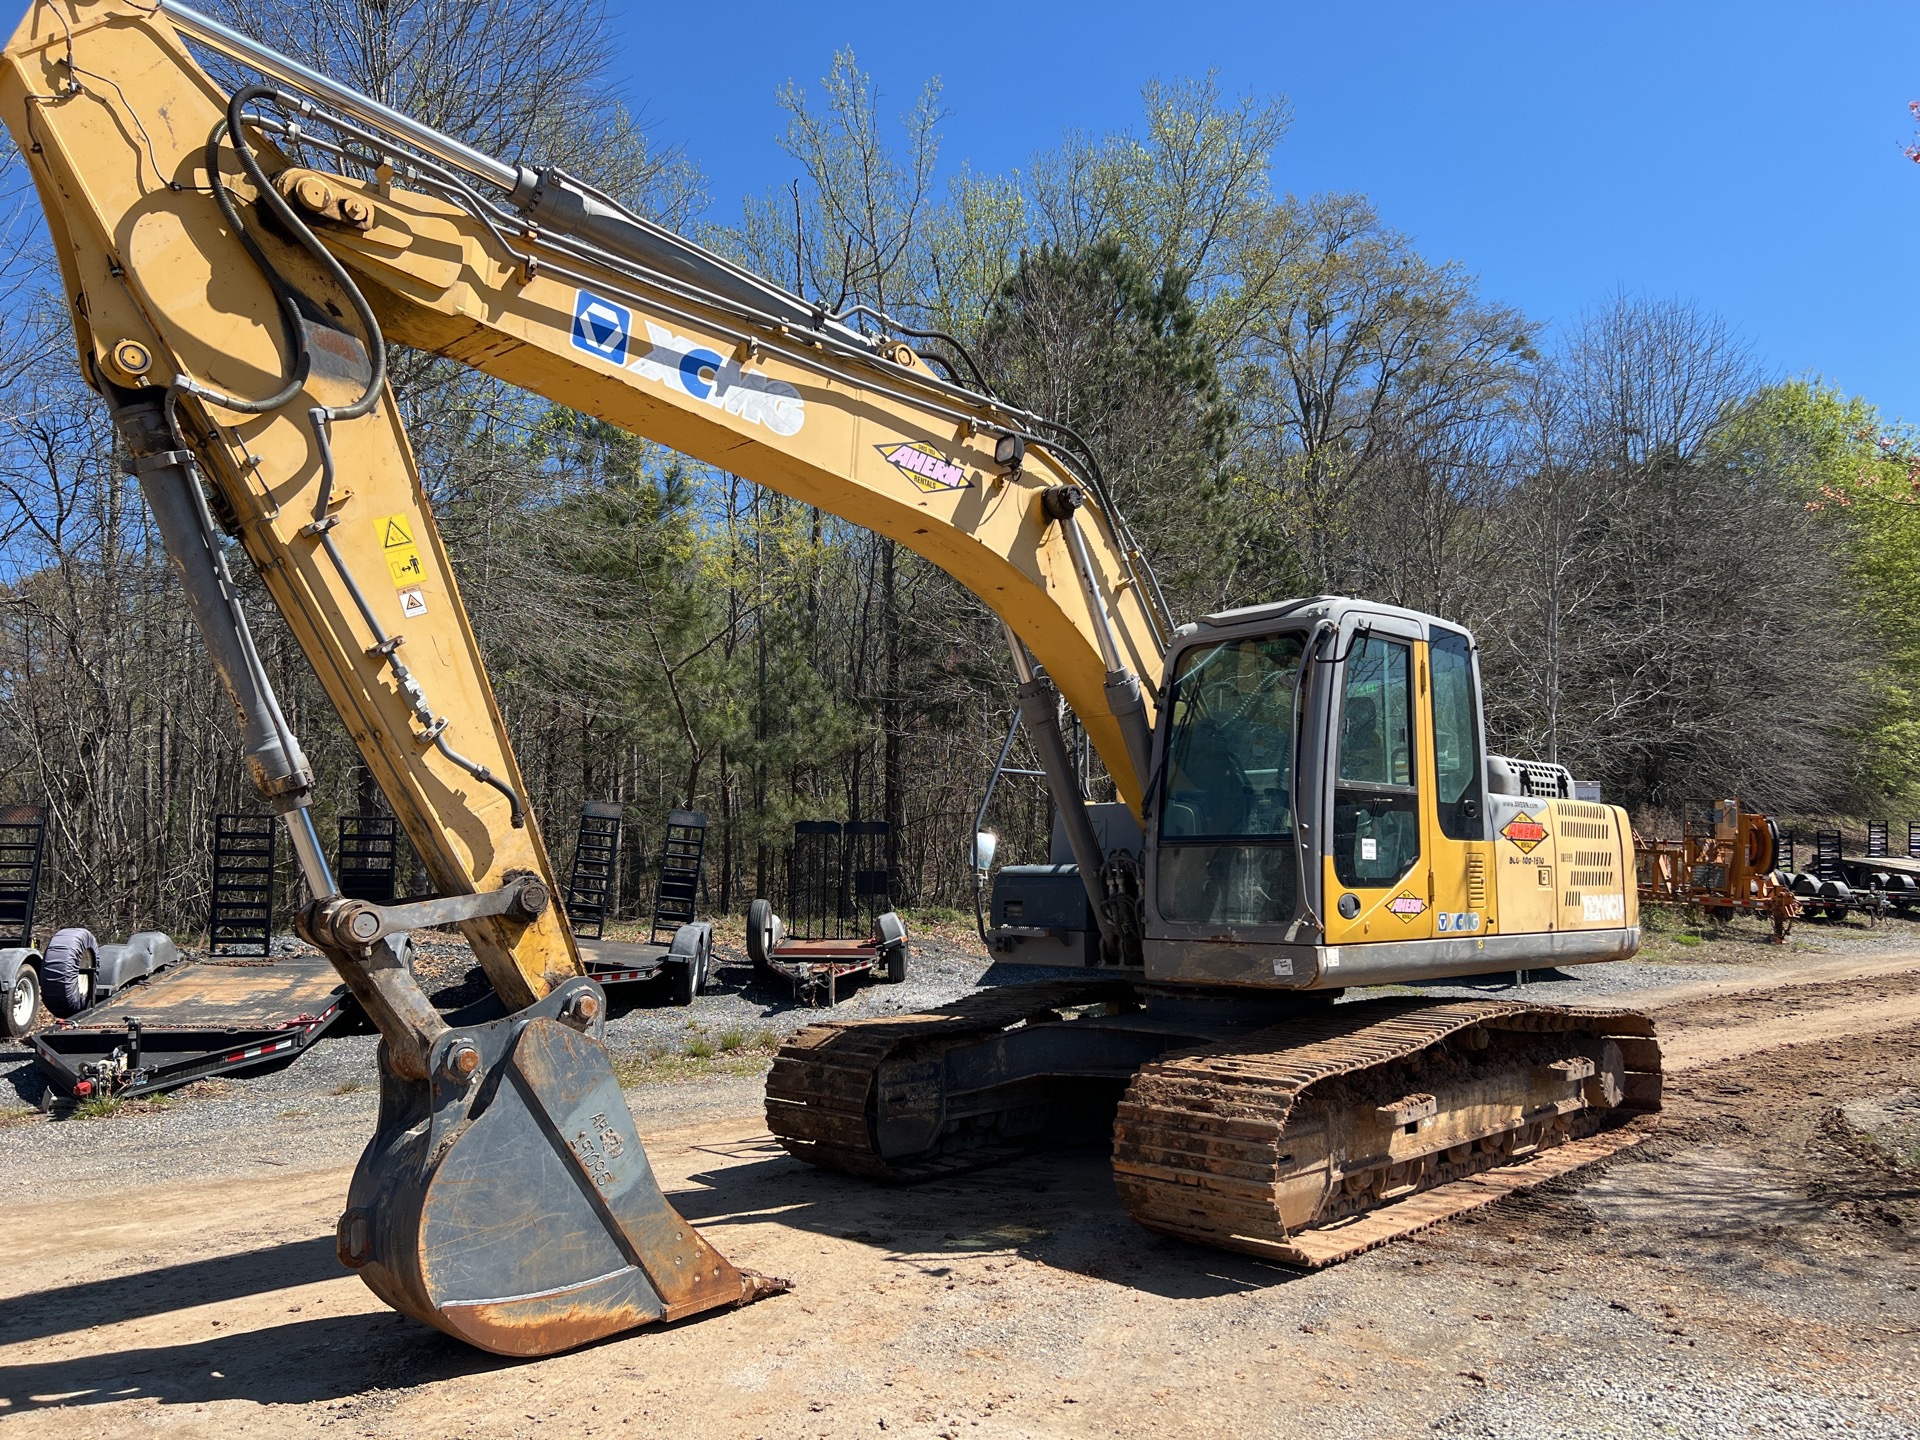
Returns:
<point x="1377" y="870"/>
<point x="1459" y="841"/>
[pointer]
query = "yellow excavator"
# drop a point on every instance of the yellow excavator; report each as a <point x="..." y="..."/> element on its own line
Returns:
<point x="1308" y="800"/>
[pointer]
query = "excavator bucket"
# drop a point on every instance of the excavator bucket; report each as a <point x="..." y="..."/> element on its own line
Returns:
<point x="508" y="1201"/>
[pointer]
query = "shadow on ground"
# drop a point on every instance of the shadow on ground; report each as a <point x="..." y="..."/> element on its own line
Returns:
<point x="1058" y="1209"/>
<point x="298" y="1363"/>
<point x="172" y="1287"/>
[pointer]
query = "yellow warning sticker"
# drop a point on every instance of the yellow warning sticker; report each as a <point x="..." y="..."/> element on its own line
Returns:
<point x="403" y="560"/>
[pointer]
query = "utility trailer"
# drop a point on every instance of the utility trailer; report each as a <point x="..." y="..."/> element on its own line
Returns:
<point x="190" y="1020"/>
<point x="678" y="948"/>
<point x="1836" y="884"/>
<point x="842" y="923"/>
<point x="74" y="971"/>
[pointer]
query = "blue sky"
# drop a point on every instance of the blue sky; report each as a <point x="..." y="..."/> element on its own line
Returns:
<point x="1746" y="156"/>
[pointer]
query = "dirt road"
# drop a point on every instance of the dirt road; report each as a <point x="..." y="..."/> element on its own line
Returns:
<point x="1752" y="1269"/>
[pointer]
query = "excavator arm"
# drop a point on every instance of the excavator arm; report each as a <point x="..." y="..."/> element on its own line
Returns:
<point x="233" y="307"/>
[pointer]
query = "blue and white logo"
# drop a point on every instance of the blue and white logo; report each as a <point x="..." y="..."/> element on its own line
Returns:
<point x="601" y="328"/>
<point x="606" y="331"/>
<point x="721" y="381"/>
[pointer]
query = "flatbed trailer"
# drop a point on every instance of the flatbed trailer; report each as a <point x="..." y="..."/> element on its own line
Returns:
<point x="193" y="1020"/>
<point x="685" y="962"/>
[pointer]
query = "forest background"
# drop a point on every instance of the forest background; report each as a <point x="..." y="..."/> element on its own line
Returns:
<point x="1689" y="578"/>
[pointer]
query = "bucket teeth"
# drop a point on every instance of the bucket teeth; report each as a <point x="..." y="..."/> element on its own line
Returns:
<point x="756" y="1286"/>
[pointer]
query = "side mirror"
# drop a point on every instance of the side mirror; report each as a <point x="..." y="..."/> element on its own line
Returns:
<point x="985" y="843"/>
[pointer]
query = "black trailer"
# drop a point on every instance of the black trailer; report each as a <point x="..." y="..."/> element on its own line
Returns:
<point x="679" y="948"/>
<point x="189" y="1021"/>
<point x="1838" y="884"/>
<point x="841" y="924"/>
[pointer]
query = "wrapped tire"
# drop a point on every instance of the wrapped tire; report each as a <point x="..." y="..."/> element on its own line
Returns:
<point x="66" y="975"/>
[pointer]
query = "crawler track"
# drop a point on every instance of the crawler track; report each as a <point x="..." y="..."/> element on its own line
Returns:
<point x="1305" y="1143"/>
<point x="821" y="1092"/>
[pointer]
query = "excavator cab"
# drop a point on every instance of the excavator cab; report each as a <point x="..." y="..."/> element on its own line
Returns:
<point x="1325" y="813"/>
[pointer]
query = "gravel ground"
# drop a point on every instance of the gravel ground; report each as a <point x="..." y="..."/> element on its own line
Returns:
<point x="1751" y="1268"/>
<point x="331" y="1088"/>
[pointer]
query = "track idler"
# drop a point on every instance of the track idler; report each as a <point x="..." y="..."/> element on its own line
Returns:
<point x="508" y="1201"/>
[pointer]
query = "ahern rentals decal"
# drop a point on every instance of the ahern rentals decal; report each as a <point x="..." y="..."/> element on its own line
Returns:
<point x="1406" y="906"/>
<point x="604" y="329"/>
<point x="1524" y="831"/>
<point x="925" y="467"/>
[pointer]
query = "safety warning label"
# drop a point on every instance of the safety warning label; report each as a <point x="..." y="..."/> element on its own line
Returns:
<point x="403" y="562"/>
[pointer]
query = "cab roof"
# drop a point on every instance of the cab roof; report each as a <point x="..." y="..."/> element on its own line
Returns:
<point x="1330" y="608"/>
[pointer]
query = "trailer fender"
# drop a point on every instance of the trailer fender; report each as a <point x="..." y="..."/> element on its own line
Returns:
<point x="689" y="960"/>
<point x="122" y="963"/>
<point x="11" y="961"/>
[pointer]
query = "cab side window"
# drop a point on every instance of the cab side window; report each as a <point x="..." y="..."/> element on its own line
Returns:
<point x="1376" y="806"/>
<point x="1456" y="737"/>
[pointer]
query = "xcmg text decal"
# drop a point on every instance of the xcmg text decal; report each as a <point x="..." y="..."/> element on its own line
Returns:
<point x="604" y="329"/>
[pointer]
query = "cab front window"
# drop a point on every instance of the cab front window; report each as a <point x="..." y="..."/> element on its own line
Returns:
<point x="1226" y="800"/>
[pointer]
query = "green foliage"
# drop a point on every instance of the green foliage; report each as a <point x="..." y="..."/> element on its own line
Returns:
<point x="1862" y="477"/>
<point x="1090" y="338"/>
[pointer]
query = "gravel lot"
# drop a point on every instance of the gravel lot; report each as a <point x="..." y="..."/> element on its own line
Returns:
<point x="330" y="1090"/>
<point x="1754" y="1268"/>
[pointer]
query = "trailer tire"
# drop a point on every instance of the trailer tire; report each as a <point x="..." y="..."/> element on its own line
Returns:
<point x="760" y="941"/>
<point x="23" y="1003"/>
<point x="892" y="933"/>
<point x="66" y="975"/>
<point x="703" y="982"/>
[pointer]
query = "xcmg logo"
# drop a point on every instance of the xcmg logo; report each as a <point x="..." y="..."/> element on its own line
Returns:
<point x="601" y="328"/>
<point x="604" y="329"/>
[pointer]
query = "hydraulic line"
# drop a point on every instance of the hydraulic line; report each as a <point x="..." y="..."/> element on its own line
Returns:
<point x="321" y="419"/>
<point x="574" y="215"/>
